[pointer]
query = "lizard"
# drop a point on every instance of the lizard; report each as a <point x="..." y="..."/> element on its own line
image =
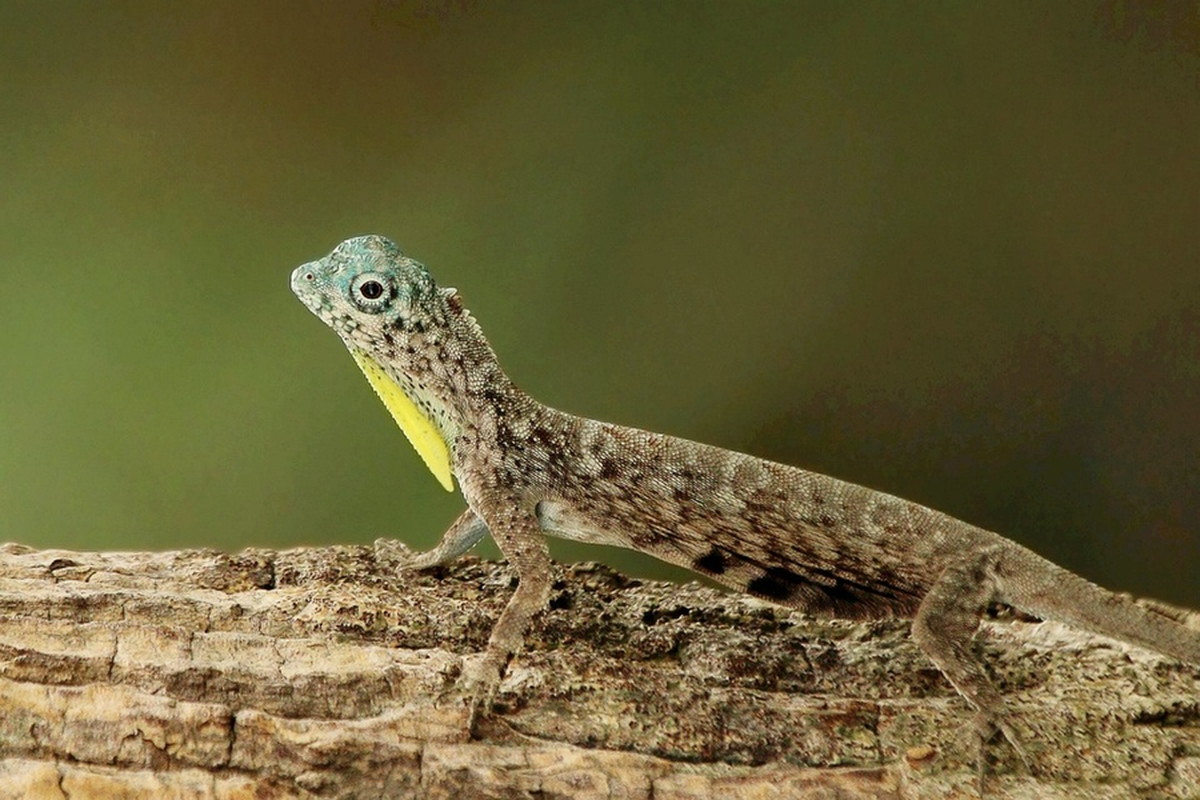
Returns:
<point x="792" y="537"/>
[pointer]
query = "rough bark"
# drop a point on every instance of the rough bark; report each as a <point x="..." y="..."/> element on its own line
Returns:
<point x="317" y="673"/>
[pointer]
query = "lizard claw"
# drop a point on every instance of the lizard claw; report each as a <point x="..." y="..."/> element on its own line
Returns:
<point x="477" y="686"/>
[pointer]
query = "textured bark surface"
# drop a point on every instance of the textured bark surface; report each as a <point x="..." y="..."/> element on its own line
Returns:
<point x="316" y="673"/>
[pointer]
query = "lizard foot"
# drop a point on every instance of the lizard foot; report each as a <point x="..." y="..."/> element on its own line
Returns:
<point x="984" y="729"/>
<point x="399" y="557"/>
<point x="393" y="553"/>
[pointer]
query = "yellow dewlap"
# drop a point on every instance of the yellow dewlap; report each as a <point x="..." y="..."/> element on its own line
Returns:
<point x="417" y="427"/>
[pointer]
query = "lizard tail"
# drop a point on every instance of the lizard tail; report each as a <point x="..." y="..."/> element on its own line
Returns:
<point x="1044" y="589"/>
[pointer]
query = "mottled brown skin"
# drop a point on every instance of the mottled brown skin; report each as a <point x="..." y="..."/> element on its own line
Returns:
<point x="796" y="538"/>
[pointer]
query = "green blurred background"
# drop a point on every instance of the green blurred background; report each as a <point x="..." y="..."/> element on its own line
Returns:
<point x="949" y="251"/>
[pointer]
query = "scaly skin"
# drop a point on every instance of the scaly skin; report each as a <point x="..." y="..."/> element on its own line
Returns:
<point x="796" y="538"/>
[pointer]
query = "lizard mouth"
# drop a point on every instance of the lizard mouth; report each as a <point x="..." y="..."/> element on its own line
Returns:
<point x="302" y="283"/>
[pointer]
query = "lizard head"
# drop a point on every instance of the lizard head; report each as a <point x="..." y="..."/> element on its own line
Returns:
<point x="407" y="335"/>
<point x="369" y="292"/>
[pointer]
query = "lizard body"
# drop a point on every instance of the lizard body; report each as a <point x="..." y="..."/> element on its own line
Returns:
<point x="793" y="537"/>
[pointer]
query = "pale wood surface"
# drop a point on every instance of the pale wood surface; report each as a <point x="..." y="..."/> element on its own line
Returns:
<point x="317" y="672"/>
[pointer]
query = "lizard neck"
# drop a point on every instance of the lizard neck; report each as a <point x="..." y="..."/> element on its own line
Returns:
<point x="468" y="391"/>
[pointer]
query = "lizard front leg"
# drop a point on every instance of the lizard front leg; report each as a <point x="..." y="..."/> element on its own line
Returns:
<point x="463" y="534"/>
<point x="521" y="540"/>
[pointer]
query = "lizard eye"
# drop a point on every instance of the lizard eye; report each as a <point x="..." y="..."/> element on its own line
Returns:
<point x="371" y="292"/>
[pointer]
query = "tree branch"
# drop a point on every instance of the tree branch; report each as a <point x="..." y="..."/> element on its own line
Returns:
<point x="317" y="672"/>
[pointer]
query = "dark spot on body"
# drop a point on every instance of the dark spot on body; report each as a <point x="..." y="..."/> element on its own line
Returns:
<point x="780" y="585"/>
<point x="712" y="562"/>
<point x="827" y="593"/>
<point x="495" y="399"/>
<point x="828" y="521"/>
<point x="774" y="584"/>
<point x="544" y="438"/>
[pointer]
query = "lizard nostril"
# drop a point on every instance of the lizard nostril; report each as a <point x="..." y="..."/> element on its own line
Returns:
<point x="308" y="276"/>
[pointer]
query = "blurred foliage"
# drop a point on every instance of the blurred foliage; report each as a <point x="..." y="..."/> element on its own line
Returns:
<point x="947" y="250"/>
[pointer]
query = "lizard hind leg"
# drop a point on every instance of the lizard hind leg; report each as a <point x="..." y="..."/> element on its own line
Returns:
<point x="944" y="626"/>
